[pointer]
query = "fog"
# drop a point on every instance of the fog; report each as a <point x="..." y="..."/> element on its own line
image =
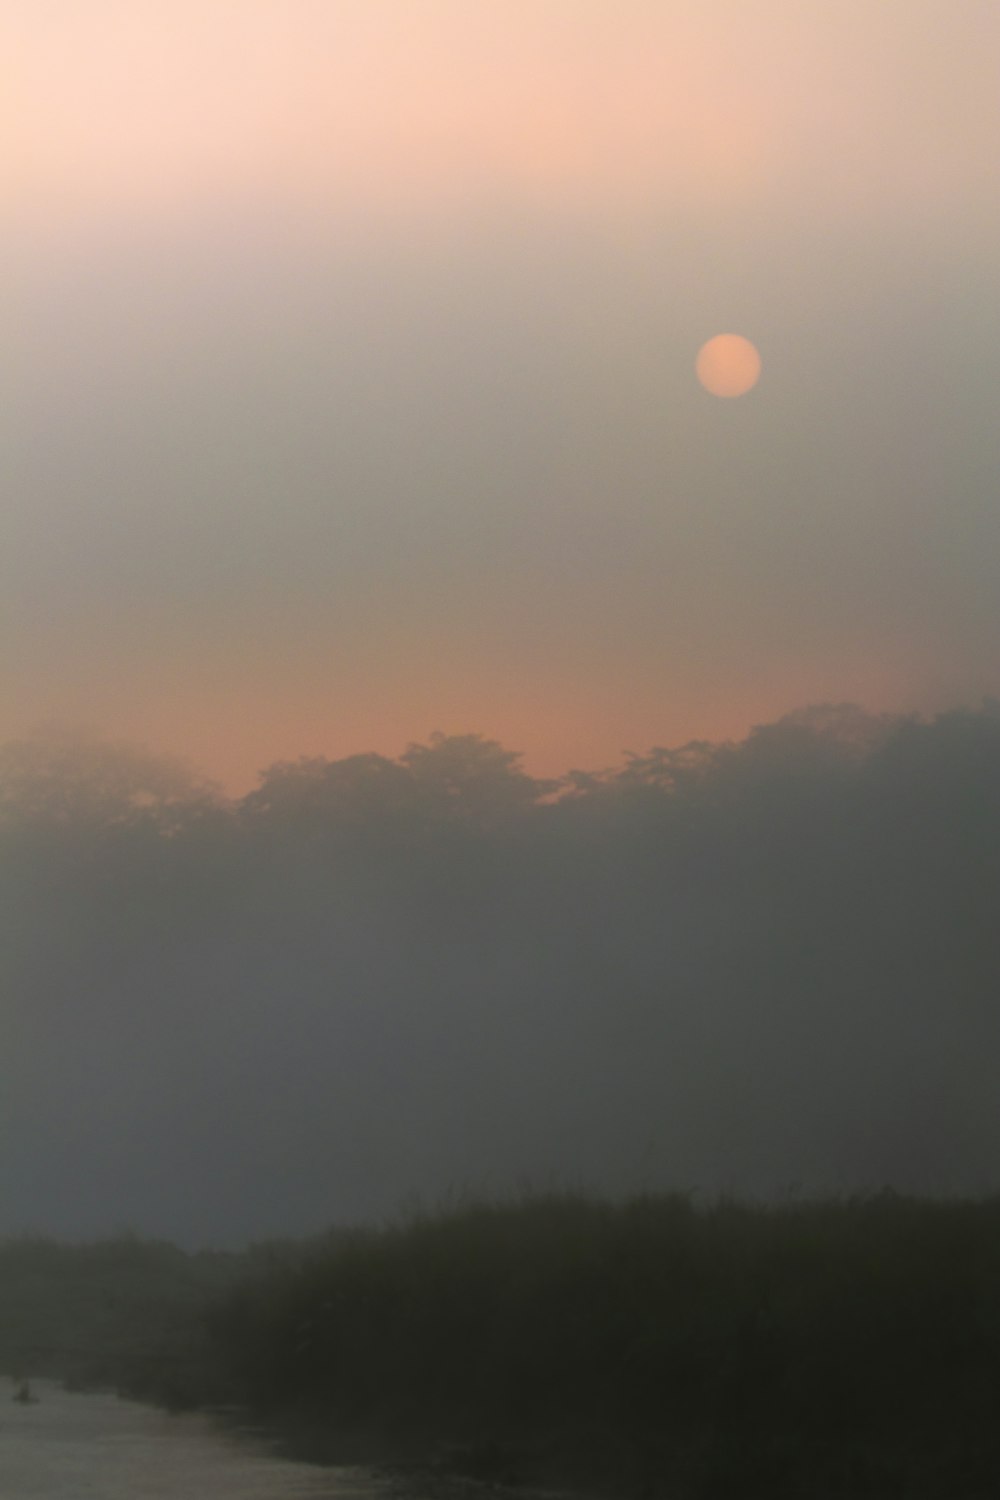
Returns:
<point x="350" y="395"/>
<point x="349" y="372"/>
<point x="763" y="967"/>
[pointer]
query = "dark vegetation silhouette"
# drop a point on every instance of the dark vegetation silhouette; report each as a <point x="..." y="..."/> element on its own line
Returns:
<point x="766" y="970"/>
<point x="650" y="1346"/>
<point x="645" y="1347"/>
<point x="735" y="967"/>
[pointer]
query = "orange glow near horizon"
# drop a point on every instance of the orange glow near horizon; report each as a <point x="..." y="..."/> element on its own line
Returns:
<point x="571" y="719"/>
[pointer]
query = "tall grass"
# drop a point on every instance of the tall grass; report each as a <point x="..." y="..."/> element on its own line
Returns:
<point x="654" y="1347"/>
<point x="818" y="1348"/>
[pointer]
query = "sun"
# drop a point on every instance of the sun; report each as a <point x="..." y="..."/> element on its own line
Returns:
<point x="728" y="365"/>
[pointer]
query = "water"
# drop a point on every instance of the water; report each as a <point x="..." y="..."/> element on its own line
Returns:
<point x="97" y="1447"/>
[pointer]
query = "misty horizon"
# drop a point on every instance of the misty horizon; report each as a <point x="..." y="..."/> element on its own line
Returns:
<point x="62" y="735"/>
<point x="753" y="967"/>
<point x="362" y="462"/>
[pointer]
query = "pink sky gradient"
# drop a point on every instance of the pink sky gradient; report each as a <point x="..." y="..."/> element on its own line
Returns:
<point x="350" y="370"/>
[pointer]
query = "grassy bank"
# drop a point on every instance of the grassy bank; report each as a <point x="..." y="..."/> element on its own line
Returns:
<point x="842" y="1348"/>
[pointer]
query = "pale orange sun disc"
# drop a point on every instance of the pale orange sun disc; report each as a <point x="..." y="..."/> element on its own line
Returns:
<point x="728" y="365"/>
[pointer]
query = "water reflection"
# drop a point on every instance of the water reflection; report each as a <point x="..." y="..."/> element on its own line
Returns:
<point x="96" y="1447"/>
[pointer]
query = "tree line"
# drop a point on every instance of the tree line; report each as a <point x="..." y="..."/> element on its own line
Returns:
<point x="731" y="966"/>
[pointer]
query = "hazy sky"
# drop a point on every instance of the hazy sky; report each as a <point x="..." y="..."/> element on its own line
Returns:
<point x="349" y="368"/>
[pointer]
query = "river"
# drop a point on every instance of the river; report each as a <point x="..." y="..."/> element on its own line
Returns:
<point x="67" y="1446"/>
